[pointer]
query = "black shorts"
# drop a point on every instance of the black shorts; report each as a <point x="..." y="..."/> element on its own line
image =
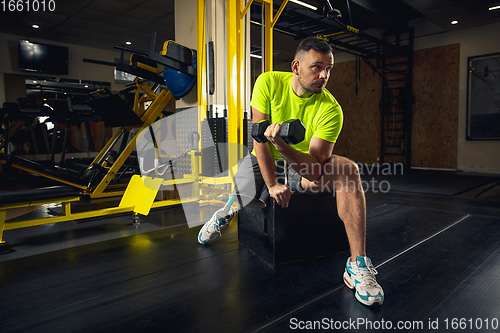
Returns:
<point x="250" y="183"/>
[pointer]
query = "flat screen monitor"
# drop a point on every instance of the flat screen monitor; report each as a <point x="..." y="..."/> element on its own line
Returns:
<point x="43" y="58"/>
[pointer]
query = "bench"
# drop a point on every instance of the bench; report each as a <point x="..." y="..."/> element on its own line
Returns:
<point x="309" y="228"/>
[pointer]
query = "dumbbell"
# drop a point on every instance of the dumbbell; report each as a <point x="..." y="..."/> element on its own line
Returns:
<point x="292" y="131"/>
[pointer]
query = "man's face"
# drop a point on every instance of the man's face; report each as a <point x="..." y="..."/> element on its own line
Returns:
<point x="313" y="70"/>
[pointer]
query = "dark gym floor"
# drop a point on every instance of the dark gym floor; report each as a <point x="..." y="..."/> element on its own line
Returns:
<point x="435" y="245"/>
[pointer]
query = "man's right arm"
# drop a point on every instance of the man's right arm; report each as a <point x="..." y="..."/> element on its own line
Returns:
<point x="280" y="193"/>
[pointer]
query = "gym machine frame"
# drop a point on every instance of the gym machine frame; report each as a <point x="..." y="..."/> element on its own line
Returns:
<point x="159" y="101"/>
<point x="152" y="113"/>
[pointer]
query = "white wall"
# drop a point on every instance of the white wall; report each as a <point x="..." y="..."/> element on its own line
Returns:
<point x="186" y="34"/>
<point x="481" y="156"/>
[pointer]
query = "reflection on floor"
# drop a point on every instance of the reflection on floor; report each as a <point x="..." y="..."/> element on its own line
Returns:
<point x="436" y="256"/>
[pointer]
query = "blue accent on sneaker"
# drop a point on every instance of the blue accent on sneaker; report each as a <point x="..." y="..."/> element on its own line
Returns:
<point x="360" y="275"/>
<point x="202" y="241"/>
<point x="219" y="220"/>
<point x="231" y="200"/>
<point x="366" y="298"/>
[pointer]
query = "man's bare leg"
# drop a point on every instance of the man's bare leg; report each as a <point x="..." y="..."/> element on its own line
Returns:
<point x="342" y="175"/>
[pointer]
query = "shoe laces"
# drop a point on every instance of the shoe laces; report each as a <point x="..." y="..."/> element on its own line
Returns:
<point x="367" y="274"/>
<point x="215" y="228"/>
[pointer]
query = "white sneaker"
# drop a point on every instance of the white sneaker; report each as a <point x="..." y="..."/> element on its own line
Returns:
<point x="214" y="226"/>
<point x="360" y="275"/>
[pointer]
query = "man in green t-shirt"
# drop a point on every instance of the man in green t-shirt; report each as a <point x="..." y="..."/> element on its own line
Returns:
<point x="310" y="165"/>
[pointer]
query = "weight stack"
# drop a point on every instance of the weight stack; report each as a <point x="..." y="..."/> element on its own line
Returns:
<point x="186" y="123"/>
<point x="247" y="134"/>
<point x="215" y="158"/>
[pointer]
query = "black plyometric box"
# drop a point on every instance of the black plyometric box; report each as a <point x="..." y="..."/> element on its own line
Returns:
<point x="309" y="228"/>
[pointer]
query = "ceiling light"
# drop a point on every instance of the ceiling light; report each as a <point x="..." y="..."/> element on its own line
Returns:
<point x="454" y="22"/>
<point x="255" y="56"/>
<point x="304" y="4"/>
<point x="494" y="7"/>
<point x="128" y="43"/>
<point x="34" y="82"/>
<point x="35" y="26"/>
<point x="86" y="86"/>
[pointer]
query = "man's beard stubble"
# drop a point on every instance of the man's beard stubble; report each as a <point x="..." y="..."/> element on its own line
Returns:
<point x="315" y="88"/>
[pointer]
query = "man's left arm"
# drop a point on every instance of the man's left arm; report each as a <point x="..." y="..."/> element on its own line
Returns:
<point x="309" y="166"/>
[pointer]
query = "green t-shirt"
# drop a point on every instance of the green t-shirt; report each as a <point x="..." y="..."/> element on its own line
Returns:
<point x="321" y="114"/>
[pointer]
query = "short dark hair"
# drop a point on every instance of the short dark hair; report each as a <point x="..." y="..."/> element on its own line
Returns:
<point x="314" y="43"/>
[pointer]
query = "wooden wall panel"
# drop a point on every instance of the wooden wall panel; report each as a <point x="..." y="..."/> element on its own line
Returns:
<point x="435" y="111"/>
<point x="360" y="136"/>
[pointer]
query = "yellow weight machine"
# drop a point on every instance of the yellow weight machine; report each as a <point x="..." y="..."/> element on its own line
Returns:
<point x="204" y="189"/>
